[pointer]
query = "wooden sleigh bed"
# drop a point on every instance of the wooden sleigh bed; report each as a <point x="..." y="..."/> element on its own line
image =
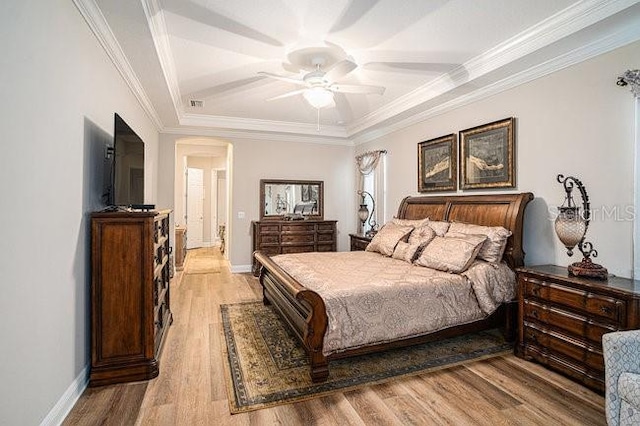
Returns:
<point x="304" y="309"/>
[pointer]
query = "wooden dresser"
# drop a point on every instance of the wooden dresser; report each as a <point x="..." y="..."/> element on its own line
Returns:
<point x="562" y="319"/>
<point x="130" y="310"/>
<point x="181" y="247"/>
<point x="359" y="242"/>
<point x="292" y="236"/>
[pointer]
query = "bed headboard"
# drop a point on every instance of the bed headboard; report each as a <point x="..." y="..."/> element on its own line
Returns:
<point x="506" y="210"/>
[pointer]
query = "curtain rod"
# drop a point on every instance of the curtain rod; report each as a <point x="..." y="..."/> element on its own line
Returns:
<point x="381" y="151"/>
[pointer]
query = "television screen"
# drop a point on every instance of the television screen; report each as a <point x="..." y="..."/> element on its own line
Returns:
<point x="128" y="165"/>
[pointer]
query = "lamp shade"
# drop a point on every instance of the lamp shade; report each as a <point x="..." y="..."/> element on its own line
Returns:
<point x="570" y="227"/>
<point x="318" y="97"/>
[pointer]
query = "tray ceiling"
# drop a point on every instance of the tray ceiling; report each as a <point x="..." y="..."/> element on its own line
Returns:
<point x="207" y="66"/>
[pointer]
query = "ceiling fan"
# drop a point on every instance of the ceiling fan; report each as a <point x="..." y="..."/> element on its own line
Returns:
<point x="320" y="85"/>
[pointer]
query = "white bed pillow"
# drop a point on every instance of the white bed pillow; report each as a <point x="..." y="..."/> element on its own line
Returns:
<point x="493" y="247"/>
<point x="386" y="239"/>
<point x="451" y="254"/>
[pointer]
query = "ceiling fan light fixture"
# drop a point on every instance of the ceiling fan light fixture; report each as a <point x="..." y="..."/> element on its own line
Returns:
<point x="318" y="97"/>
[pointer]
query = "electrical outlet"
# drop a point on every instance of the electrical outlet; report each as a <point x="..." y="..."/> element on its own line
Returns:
<point x="240" y="215"/>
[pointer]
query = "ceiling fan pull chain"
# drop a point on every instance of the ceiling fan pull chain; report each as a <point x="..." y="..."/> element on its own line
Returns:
<point x="318" y="129"/>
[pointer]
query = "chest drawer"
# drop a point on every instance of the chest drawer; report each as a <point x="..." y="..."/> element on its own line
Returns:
<point x="297" y="238"/>
<point x="575" y="299"/>
<point x="571" y="322"/>
<point x="270" y="229"/>
<point x="566" y="346"/>
<point x="299" y="227"/>
<point x="269" y="239"/>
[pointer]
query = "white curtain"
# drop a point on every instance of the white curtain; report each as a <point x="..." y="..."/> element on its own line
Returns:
<point x="372" y="164"/>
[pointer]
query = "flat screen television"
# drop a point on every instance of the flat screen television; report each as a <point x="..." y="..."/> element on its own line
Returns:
<point x="126" y="183"/>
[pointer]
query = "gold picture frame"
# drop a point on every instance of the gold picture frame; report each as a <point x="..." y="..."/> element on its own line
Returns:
<point x="487" y="155"/>
<point x="437" y="164"/>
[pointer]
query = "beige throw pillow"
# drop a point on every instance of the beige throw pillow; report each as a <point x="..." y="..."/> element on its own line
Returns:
<point x="440" y="226"/>
<point x="454" y="254"/>
<point x="410" y="222"/>
<point x="422" y="235"/>
<point x="405" y="251"/>
<point x="385" y="241"/>
<point x="493" y="247"/>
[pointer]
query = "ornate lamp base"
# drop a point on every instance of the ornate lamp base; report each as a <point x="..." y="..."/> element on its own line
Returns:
<point x="587" y="268"/>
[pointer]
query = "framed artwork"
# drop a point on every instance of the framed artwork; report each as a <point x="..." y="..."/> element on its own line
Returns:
<point x="437" y="164"/>
<point x="487" y="155"/>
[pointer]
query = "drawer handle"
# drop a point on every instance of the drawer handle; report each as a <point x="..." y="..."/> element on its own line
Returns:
<point x="534" y="314"/>
<point x="606" y="310"/>
<point x="535" y="290"/>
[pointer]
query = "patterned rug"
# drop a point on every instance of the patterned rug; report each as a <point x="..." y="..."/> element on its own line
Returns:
<point x="267" y="366"/>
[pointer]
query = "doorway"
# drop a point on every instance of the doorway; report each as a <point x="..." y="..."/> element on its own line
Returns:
<point x="195" y="207"/>
<point x="201" y="190"/>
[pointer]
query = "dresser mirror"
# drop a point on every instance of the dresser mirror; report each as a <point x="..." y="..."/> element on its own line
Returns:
<point x="291" y="199"/>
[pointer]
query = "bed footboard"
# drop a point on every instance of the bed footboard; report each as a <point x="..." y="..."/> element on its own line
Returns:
<point x="301" y="308"/>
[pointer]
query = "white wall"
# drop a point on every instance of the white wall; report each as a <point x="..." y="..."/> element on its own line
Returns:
<point x="253" y="160"/>
<point x="60" y="92"/>
<point x="575" y="122"/>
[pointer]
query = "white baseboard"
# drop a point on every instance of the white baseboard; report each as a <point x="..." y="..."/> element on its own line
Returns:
<point x="66" y="402"/>
<point x="239" y="269"/>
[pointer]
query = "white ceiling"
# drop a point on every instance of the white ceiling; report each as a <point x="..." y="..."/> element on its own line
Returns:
<point x="427" y="54"/>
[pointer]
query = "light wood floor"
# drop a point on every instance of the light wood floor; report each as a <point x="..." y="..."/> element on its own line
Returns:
<point x="191" y="390"/>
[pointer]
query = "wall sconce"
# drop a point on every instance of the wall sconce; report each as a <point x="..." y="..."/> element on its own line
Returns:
<point x="571" y="227"/>
<point x="364" y="215"/>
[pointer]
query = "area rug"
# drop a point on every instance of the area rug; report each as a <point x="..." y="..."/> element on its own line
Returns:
<point x="202" y="262"/>
<point x="267" y="366"/>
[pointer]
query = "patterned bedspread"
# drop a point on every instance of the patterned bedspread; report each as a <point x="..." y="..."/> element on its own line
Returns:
<point x="372" y="299"/>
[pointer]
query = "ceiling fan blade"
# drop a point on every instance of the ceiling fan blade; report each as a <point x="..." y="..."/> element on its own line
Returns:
<point x="357" y="88"/>
<point x="340" y="69"/>
<point x="286" y="95"/>
<point x="223" y="88"/>
<point x="356" y="10"/>
<point x="288" y="66"/>
<point x="409" y="66"/>
<point x="344" y="109"/>
<point x="206" y="16"/>
<point x="282" y="78"/>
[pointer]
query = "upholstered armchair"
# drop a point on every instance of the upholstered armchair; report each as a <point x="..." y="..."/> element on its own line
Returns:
<point x="622" y="377"/>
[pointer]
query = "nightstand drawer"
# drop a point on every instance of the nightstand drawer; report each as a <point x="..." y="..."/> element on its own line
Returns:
<point x="576" y="299"/>
<point x="575" y="349"/>
<point x="578" y="325"/>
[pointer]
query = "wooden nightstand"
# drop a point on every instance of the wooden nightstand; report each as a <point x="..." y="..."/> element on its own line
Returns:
<point x="359" y="242"/>
<point x="562" y="318"/>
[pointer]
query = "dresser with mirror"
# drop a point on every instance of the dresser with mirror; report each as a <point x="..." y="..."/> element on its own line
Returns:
<point x="292" y="219"/>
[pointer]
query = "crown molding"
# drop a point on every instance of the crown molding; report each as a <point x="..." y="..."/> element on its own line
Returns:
<point x="583" y="53"/>
<point x="562" y="24"/>
<point x="198" y="131"/>
<point x="268" y="126"/>
<point x="160" y="36"/>
<point x="98" y="25"/>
